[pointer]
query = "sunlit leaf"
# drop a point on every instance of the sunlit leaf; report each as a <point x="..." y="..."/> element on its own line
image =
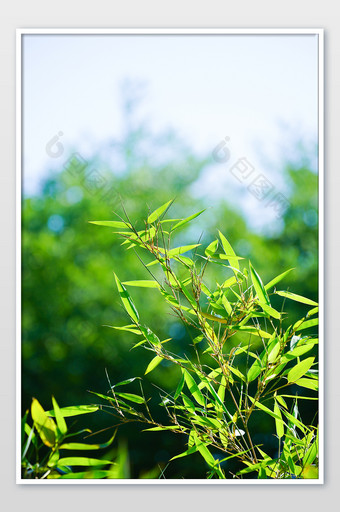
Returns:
<point x="180" y="250"/>
<point x="229" y="251"/>
<point x="111" y="223"/>
<point x="127" y="301"/>
<point x="308" y="383"/>
<point x="61" y="424"/>
<point x="46" y="427"/>
<point x="277" y="279"/>
<point x="85" y="446"/>
<point x="278" y="422"/>
<point x="306" y="324"/>
<point x="153" y="363"/>
<point x="83" y="461"/>
<point x="300" y="369"/>
<point x="157" y="213"/>
<point x="297" y="298"/>
<point x="142" y="284"/>
<point x="188" y="219"/>
<point x="193" y="387"/>
<point x="75" y="410"/>
<point x="265" y="409"/>
<point x="258" y="285"/>
<point x="212" y="248"/>
<point x="131" y="397"/>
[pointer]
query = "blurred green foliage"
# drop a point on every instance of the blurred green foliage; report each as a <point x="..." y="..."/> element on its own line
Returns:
<point x="67" y="271"/>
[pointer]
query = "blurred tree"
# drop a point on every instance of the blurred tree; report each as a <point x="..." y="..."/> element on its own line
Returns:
<point x="67" y="277"/>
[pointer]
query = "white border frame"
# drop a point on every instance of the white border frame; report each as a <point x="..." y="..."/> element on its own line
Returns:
<point x="171" y="31"/>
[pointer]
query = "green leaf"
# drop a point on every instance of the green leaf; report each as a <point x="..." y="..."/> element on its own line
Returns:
<point x="300" y="369"/>
<point x="255" y="370"/>
<point x="274" y="352"/>
<point x="229" y="282"/>
<point x="80" y="475"/>
<point x="211" y="249"/>
<point x="310" y="472"/>
<point x="163" y="427"/>
<point x="252" y="330"/>
<point x="311" y="454"/>
<point x="258" y="285"/>
<point x="188" y="404"/>
<point x="237" y="372"/>
<point x="124" y="382"/>
<point x="278" y="423"/>
<point x="313" y="311"/>
<point x="153" y="363"/>
<point x="265" y="409"/>
<point x="128" y="328"/>
<point x="157" y="213"/>
<point x="188" y="219"/>
<point x="229" y="252"/>
<point x="142" y="284"/>
<point x="127" y="301"/>
<point x="59" y="417"/>
<point x="295" y="421"/>
<point x="45" y="426"/>
<point x="271" y="311"/>
<point x="111" y="223"/>
<point x="277" y="279"/>
<point x="83" y="461"/>
<point x="133" y="398"/>
<point x="151" y="336"/>
<point x="75" y="410"/>
<point x="193" y="388"/>
<point x="190" y="450"/>
<point x="179" y="387"/>
<point x="297" y="298"/>
<point x="84" y="446"/>
<point x="307" y="324"/>
<point x="179" y="250"/>
<point x="308" y="383"/>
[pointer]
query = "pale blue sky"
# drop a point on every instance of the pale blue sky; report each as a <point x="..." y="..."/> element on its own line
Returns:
<point x="259" y="90"/>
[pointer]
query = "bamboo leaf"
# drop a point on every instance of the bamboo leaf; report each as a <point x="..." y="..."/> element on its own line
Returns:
<point x="185" y="221"/>
<point x="142" y="284"/>
<point x="111" y="224"/>
<point x="83" y="461"/>
<point x="278" y="422"/>
<point x="131" y="397"/>
<point x="45" y="426"/>
<point x="75" y="410"/>
<point x="258" y="285"/>
<point x="212" y="248"/>
<point x="84" y="446"/>
<point x="193" y="387"/>
<point x="277" y="279"/>
<point x="61" y="424"/>
<point x="191" y="450"/>
<point x="153" y="363"/>
<point x="265" y="409"/>
<point x="179" y="387"/>
<point x="157" y="213"/>
<point x="297" y="298"/>
<point x="306" y="324"/>
<point x="229" y="251"/>
<point x="179" y="250"/>
<point x="300" y="369"/>
<point x="127" y="301"/>
<point x="308" y="383"/>
<point x="128" y="328"/>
